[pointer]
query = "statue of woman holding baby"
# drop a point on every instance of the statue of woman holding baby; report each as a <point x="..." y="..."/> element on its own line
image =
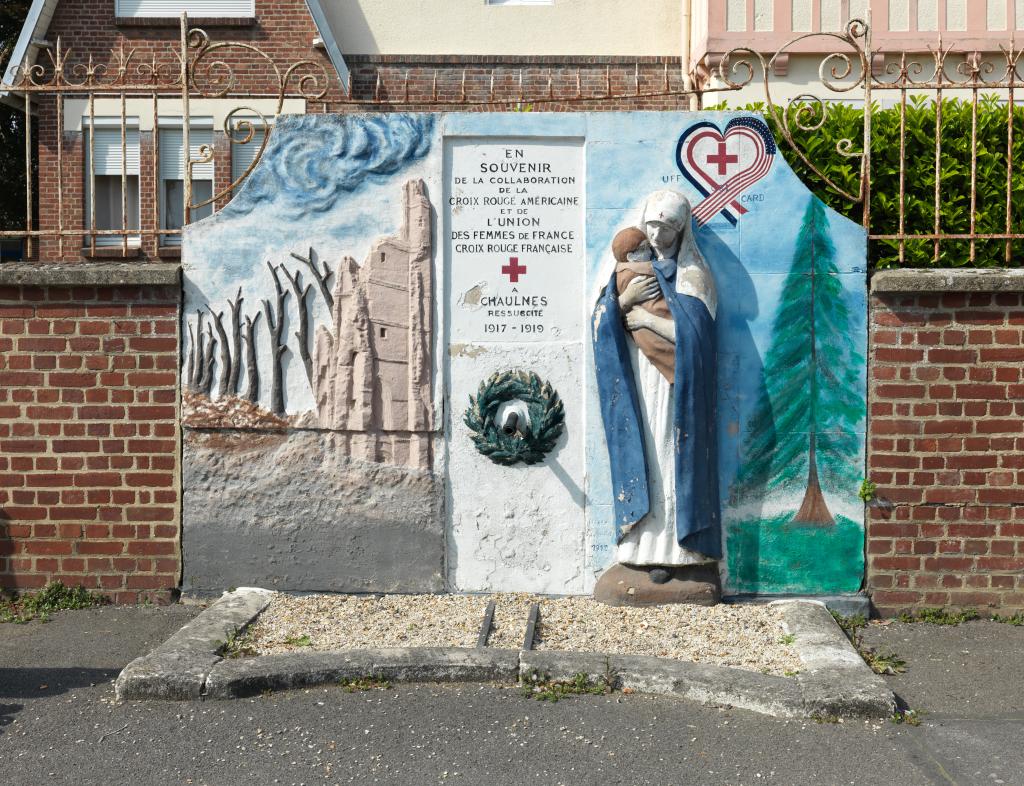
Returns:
<point x="654" y="351"/>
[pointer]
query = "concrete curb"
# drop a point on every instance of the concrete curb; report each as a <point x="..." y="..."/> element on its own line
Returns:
<point x="718" y="686"/>
<point x="179" y="667"/>
<point x="834" y="680"/>
<point x="249" y="676"/>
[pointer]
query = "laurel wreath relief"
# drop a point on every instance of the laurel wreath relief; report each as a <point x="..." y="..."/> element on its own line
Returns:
<point x="529" y="443"/>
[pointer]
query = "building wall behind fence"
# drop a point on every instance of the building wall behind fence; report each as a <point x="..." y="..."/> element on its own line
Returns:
<point x="946" y="441"/>
<point x="89" y="474"/>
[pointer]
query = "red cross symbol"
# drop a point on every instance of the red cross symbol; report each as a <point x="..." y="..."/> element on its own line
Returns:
<point x="721" y="159"/>
<point x="513" y="269"/>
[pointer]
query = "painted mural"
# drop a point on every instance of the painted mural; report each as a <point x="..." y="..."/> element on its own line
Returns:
<point x="308" y="399"/>
<point x="803" y="441"/>
<point x="789" y="278"/>
<point x="326" y="440"/>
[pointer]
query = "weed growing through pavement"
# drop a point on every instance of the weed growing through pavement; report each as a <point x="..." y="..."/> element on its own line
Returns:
<point x="826" y="718"/>
<point x="883" y="664"/>
<point x="908" y="717"/>
<point x="789" y="638"/>
<point x="540" y="687"/>
<point x="55" y="596"/>
<point x="374" y="682"/>
<point x="890" y="663"/>
<point x="944" y="617"/>
<point x="237" y="646"/>
<point x="939" y="616"/>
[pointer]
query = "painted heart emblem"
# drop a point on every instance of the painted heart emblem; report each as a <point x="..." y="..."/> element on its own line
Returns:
<point x="723" y="165"/>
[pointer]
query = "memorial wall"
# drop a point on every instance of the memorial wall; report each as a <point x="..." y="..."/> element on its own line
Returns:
<point x="522" y="352"/>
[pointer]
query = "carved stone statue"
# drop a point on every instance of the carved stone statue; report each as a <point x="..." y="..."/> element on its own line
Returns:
<point x="654" y="350"/>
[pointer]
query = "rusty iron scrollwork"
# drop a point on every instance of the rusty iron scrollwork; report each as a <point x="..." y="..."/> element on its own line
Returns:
<point x="841" y="72"/>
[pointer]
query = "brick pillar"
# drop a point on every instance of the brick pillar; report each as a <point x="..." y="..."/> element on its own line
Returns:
<point x="946" y="441"/>
<point x="89" y="437"/>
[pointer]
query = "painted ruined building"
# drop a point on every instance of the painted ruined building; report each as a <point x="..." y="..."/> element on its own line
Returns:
<point x="372" y="370"/>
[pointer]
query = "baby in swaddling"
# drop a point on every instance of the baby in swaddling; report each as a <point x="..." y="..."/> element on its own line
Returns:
<point x="633" y="255"/>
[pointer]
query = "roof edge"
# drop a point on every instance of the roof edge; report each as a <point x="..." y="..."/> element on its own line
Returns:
<point x="29" y="31"/>
<point x="330" y="42"/>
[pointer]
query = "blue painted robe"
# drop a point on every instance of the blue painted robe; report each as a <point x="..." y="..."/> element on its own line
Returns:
<point x="698" y="514"/>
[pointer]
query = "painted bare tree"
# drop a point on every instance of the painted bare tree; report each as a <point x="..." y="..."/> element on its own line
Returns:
<point x="236" y="342"/>
<point x="323" y="277"/>
<point x="206" y="360"/>
<point x="302" y="307"/>
<point x="191" y="359"/>
<point x="275" y="325"/>
<point x="197" y="353"/>
<point x="217" y="318"/>
<point x="252" y="371"/>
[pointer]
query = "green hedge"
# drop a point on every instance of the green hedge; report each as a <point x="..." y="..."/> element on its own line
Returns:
<point x="845" y="121"/>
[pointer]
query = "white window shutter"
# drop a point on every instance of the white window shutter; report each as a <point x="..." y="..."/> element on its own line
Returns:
<point x="243" y="155"/>
<point x="198" y="8"/>
<point x="172" y="159"/>
<point x="107" y="149"/>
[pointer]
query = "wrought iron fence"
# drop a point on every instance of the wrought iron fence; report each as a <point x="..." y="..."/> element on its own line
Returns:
<point x="856" y="70"/>
<point x="197" y="67"/>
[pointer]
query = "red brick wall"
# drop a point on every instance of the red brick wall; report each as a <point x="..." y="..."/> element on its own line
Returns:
<point x="946" y="449"/>
<point x="89" y="439"/>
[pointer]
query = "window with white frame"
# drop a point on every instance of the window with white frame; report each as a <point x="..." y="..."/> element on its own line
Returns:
<point x="171" y="9"/>
<point x="112" y="178"/>
<point x="172" y="173"/>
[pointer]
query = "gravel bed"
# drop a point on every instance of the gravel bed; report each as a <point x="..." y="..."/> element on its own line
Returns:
<point x="746" y="637"/>
<point x="337" y="622"/>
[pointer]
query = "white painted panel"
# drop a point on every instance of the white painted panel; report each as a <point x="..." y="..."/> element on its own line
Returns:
<point x="859" y="9"/>
<point x="831" y="15"/>
<point x="802" y="16"/>
<point x="956" y="14"/>
<point x="736" y="16"/>
<point x="172" y="161"/>
<point x="107" y="148"/>
<point x="927" y="15"/>
<point x="764" y="11"/>
<point x="473" y="27"/>
<point x="173" y="8"/>
<point x="1020" y="14"/>
<point x="899" y="15"/>
<point x="516" y="302"/>
<point x="996" y="16"/>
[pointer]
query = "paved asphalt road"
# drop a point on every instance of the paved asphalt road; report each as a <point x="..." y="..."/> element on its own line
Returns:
<point x="59" y="723"/>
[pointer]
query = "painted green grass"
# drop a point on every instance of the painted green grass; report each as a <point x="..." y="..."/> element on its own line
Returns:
<point x="774" y="555"/>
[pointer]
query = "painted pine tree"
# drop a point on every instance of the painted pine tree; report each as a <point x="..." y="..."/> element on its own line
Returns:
<point x="802" y="436"/>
